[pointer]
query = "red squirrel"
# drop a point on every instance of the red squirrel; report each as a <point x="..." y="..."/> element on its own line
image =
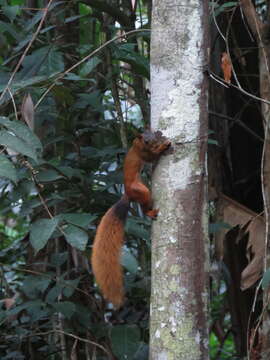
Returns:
<point x="109" y="238"/>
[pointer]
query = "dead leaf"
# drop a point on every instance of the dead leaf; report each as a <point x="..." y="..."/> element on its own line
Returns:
<point x="254" y="253"/>
<point x="234" y="213"/>
<point x="226" y="66"/>
<point x="73" y="355"/>
<point x="9" y="302"/>
<point x="28" y="111"/>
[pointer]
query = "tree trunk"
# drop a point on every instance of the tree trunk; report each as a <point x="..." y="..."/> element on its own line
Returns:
<point x="180" y="241"/>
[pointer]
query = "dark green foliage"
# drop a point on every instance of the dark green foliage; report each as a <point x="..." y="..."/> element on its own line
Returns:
<point x="57" y="180"/>
<point x="221" y="347"/>
<point x="7" y="169"/>
<point x="125" y="340"/>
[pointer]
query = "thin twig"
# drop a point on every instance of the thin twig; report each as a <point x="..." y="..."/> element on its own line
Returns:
<point x="239" y="122"/>
<point x="215" y="21"/>
<point x="245" y="23"/>
<point x="42" y="200"/>
<point x="13" y="102"/>
<point x="71" y="335"/>
<point x="265" y="307"/>
<point x="222" y="82"/>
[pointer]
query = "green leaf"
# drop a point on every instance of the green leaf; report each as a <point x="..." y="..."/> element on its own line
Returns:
<point x="70" y="287"/>
<point x="93" y="99"/>
<point x="70" y="172"/>
<point x="67" y="308"/>
<point x="129" y="261"/>
<point x="47" y="60"/>
<point x="29" y="305"/>
<point x="34" y="309"/>
<point x="59" y="259"/>
<point x="35" y="283"/>
<point x="229" y="4"/>
<point x="76" y="237"/>
<point x="136" y="229"/>
<point x="215" y="227"/>
<point x="21" y="44"/>
<point x="10" y="29"/>
<point x="54" y="292"/>
<point x="40" y="232"/>
<point x="89" y="66"/>
<point x="73" y="77"/>
<point x="83" y="316"/>
<point x="23" y="84"/>
<point x="16" y="309"/>
<point x="47" y="28"/>
<point x="11" y="11"/>
<point x="221" y="8"/>
<point x="35" y="19"/>
<point x="16" y="144"/>
<point x="266" y="279"/>
<point x="212" y="142"/>
<point x="7" y="169"/>
<point x="49" y="175"/>
<point x="127" y="54"/>
<point x="22" y="131"/>
<point x="142" y="353"/>
<point x="125" y="341"/>
<point x="73" y="18"/>
<point x="79" y="219"/>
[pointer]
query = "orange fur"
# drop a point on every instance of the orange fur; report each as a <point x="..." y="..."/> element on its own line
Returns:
<point x="141" y="152"/>
<point x="110" y="232"/>
<point x="106" y="256"/>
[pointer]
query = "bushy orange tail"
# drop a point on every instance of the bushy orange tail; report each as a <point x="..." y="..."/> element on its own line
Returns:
<point x="106" y="252"/>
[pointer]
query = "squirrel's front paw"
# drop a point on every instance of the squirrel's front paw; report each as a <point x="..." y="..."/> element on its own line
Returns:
<point x="152" y="213"/>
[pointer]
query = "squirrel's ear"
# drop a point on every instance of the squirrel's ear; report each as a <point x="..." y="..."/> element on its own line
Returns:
<point x="139" y="136"/>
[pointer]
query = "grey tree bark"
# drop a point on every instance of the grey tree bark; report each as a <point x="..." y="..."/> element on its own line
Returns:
<point x="180" y="235"/>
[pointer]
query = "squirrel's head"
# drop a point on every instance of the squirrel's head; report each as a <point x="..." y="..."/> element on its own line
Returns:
<point x="150" y="144"/>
